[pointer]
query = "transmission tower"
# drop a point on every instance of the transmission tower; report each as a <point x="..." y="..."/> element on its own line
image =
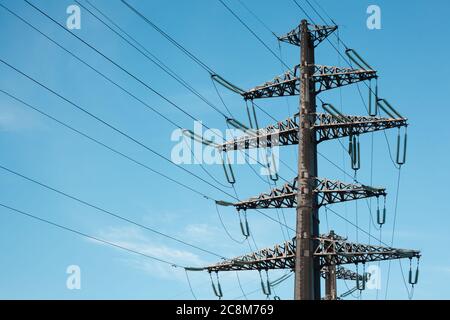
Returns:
<point x="312" y="255"/>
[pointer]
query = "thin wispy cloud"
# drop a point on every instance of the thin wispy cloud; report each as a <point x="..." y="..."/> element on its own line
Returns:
<point x="134" y="239"/>
<point x="14" y="119"/>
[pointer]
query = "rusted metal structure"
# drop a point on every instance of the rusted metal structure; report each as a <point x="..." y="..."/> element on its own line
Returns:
<point x="310" y="255"/>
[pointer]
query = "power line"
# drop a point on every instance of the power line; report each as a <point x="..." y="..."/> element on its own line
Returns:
<point x="90" y="66"/>
<point x="326" y="13"/>
<point x="146" y="53"/>
<point x="190" y="285"/>
<point x="259" y="20"/>
<point x="115" y="63"/>
<point x="254" y="34"/>
<point x="168" y="37"/>
<point x="303" y="10"/>
<point x="161" y="65"/>
<point x="102" y="121"/>
<point x="393" y="227"/>
<point x="106" y="146"/>
<point x="129" y="158"/>
<point x="120" y="67"/>
<point x="85" y="235"/>
<point x="129" y="137"/>
<point x="114" y="128"/>
<point x="183" y="49"/>
<point x="357" y="227"/>
<point x="314" y="9"/>
<point x="110" y="80"/>
<point x="108" y="212"/>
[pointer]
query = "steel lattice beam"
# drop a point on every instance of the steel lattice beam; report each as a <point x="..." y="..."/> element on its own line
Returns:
<point x="335" y="250"/>
<point x="328" y="77"/>
<point x="325" y="78"/>
<point x="328" y="192"/>
<point x="326" y="126"/>
<point x="318" y="34"/>
<point x="330" y="127"/>
<point x="287" y="84"/>
<point x="277" y="257"/>
<point x="331" y="250"/>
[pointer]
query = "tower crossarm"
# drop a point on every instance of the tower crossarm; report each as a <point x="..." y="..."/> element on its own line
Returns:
<point x="283" y="197"/>
<point x="331" y="191"/>
<point x="334" y="250"/>
<point x="282" y="133"/>
<point x="331" y="250"/>
<point x="277" y="257"/>
<point x="328" y="191"/>
<point x="330" y="77"/>
<point x="318" y="34"/>
<point x="286" y="84"/>
<point x="329" y="126"/>
<point x="271" y="258"/>
<point x="325" y="78"/>
<point x="326" y="126"/>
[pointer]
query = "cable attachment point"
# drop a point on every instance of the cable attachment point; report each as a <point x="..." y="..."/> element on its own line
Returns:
<point x="413" y="277"/>
<point x="251" y="113"/>
<point x="191" y="135"/>
<point x="357" y="59"/>
<point x="354" y="151"/>
<point x="373" y="98"/>
<point x="361" y="280"/>
<point x="229" y="174"/>
<point x="401" y="147"/>
<point x="216" y="286"/>
<point x="381" y="216"/>
<point x="271" y="167"/>
<point x="245" y="229"/>
<point x="265" y="285"/>
<point x="329" y="108"/>
<point x="384" y="105"/>
<point x="226" y="84"/>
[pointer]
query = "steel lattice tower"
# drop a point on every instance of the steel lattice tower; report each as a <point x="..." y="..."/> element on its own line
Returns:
<point x="310" y="254"/>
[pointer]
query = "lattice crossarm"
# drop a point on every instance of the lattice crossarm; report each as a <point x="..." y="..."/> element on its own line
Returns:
<point x="330" y="77"/>
<point x="329" y="127"/>
<point x="318" y="34"/>
<point x="282" y="133"/>
<point x="328" y="192"/>
<point x="286" y="84"/>
<point x="277" y="257"/>
<point x="337" y="251"/>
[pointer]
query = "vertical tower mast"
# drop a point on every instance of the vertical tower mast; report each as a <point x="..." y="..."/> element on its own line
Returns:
<point x="307" y="277"/>
<point x="312" y="255"/>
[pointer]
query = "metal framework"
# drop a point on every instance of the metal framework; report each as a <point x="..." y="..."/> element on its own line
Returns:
<point x="324" y="78"/>
<point x="330" y="77"/>
<point x="326" y="126"/>
<point x="328" y="192"/>
<point x="335" y="250"/>
<point x="310" y="255"/>
<point x="318" y="34"/>
<point x="332" y="251"/>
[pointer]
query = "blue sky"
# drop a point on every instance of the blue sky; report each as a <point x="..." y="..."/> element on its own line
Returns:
<point x="409" y="52"/>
